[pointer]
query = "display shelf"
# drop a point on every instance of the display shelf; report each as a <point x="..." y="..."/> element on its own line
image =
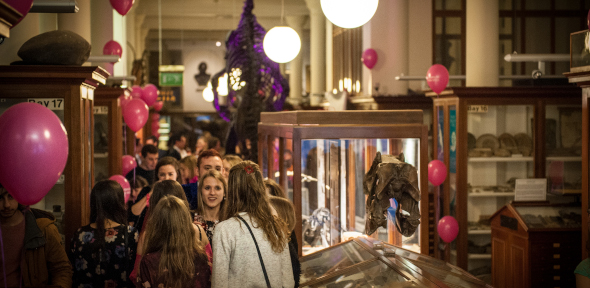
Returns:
<point x="565" y="158"/>
<point x="490" y="194"/>
<point x="500" y="159"/>
<point x="480" y="232"/>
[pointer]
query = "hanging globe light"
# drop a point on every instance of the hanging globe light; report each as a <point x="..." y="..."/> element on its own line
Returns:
<point x="208" y="93"/>
<point x="281" y="44"/>
<point x="349" y="13"/>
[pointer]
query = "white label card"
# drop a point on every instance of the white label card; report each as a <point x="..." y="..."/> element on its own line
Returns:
<point x="477" y="108"/>
<point x="101" y="110"/>
<point x="531" y="190"/>
<point x="50" y="103"/>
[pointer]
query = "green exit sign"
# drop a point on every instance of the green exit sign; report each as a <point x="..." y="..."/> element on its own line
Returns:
<point x="170" y="78"/>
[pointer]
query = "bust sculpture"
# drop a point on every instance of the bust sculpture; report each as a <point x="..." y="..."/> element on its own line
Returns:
<point x="202" y="78"/>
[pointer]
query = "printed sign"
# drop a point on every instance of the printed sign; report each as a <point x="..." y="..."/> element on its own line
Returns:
<point x="531" y="190"/>
<point x="101" y="110"/>
<point x="477" y="108"/>
<point x="50" y="103"/>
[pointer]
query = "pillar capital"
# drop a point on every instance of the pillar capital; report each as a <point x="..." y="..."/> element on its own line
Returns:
<point x="314" y="6"/>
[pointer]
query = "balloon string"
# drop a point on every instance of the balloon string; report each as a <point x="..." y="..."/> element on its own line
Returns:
<point x="3" y="261"/>
<point x="134" y="147"/>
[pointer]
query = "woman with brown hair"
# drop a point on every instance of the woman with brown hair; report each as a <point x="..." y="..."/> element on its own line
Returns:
<point x="172" y="257"/>
<point x="251" y="243"/>
<point x="188" y="170"/>
<point x="228" y="162"/>
<point x="211" y="201"/>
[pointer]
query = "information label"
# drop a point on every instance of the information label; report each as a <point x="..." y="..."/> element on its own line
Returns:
<point x="101" y="110"/>
<point x="530" y="190"/>
<point x="50" y="103"/>
<point x="477" y="108"/>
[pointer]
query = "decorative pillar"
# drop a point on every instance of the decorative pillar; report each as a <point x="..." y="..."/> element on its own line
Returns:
<point x="318" y="51"/>
<point x="329" y="57"/>
<point x="78" y="23"/>
<point x="482" y="43"/>
<point x="295" y="74"/>
<point x="101" y="30"/>
<point x="389" y="37"/>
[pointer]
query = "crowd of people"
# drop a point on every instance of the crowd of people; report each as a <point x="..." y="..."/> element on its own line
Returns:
<point x="206" y="221"/>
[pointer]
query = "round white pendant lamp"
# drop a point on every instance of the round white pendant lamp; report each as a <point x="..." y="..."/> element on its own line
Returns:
<point x="349" y="13"/>
<point x="208" y="93"/>
<point x="281" y="44"/>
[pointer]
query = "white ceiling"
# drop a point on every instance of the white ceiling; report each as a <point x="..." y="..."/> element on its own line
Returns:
<point x="197" y="17"/>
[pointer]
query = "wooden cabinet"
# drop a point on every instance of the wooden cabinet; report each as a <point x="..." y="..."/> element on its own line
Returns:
<point x="320" y="159"/>
<point x="73" y="89"/>
<point x="108" y="129"/>
<point x="8" y="17"/>
<point x="489" y="136"/>
<point x="535" y="245"/>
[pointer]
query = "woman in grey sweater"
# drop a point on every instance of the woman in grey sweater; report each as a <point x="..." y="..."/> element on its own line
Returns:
<point x="251" y="244"/>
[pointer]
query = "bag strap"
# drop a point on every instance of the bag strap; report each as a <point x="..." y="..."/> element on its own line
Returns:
<point x="258" y="250"/>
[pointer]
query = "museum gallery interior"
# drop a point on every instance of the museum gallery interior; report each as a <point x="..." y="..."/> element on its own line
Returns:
<point x="423" y="143"/>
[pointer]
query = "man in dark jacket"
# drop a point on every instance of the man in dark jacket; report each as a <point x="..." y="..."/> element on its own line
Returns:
<point x="32" y="247"/>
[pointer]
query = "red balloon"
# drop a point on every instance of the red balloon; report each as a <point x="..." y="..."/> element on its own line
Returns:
<point x="588" y="20"/>
<point x="155" y="130"/>
<point x="128" y="164"/>
<point x="448" y="228"/>
<point x="158" y="106"/>
<point x="122" y="6"/>
<point x="136" y="114"/>
<point x="437" y="78"/>
<point x="437" y="172"/>
<point x="136" y="92"/>
<point x="369" y="58"/>
<point x="123" y="100"/>
<point x="149" y="94"/>
<point x="112" y="48"/>
<point x="124" y="184"/>
<point x="155" y="117"/>
<point x="33" y="151"/>
<point x="22" y="6"/>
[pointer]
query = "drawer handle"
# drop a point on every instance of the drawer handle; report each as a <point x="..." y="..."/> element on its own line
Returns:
<point x="556" y="267"/>
<point x="556" y="245"/>
<point x="556" y="256"/>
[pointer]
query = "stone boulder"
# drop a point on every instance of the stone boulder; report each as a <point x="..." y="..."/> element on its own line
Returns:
<point x="59" y="47"/>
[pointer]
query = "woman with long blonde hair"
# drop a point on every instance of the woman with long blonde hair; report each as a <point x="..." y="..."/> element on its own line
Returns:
<point x="250" y="242"/>
<point x="172" y="258"/>
<point x="211" y="200"/>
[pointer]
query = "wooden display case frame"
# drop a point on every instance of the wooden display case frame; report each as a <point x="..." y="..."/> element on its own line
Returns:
<point x="462" y="97"/>
<point x="304" y="125"/>
<point x="8" y="17"/>
<point x="76" y="85"/>
<point x="109" y="97"/>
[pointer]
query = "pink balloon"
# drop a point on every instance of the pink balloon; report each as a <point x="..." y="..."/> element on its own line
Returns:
<point x="588" y="20"/>
<point x="112" y="48"/>
<point x="22" y="6"/>
<point x="370" y="58"/>
<point x="123" y="100"/>
<point x="149" y="94"/>
<point x="136" y="114"/>
<point x="155" y="130"/>
<point x="437" y="78"/>
<point x="437" y="172"/>
<point x="448" y="228"/>
<point x="156" y="117"/>
<point x="124" y="184"/>
<point x="128" y="164"/>
<point x="158" y="106"/>
<point x="122" y="6"/>
<point x="156" y="134"/>
<point x="33" y="151"/>
<point x="136" y="92"/>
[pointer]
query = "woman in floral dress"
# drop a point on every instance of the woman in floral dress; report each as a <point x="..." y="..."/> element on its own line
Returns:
<point x="102" y="253"/>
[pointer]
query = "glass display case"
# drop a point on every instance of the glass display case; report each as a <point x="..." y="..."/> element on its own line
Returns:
<point x="490" y="136"/>
<point x="579" y="74"/>
<point x="108" y="132"/>
<point x="69" y="92"/>
<point x="320" y="159"/>
<point x="536" y="244"/>
<point x="368" y="262"/>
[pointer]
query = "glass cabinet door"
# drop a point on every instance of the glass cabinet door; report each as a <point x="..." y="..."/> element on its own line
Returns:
<point x="563" y="149"/>
<point x="101" y="143"/>
<point x="500" y="150"/>
<point x="332" y="198"/>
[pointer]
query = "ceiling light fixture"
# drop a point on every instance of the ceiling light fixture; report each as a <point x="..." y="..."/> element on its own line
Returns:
<point x="349" y="13"/>
<point x="281" y="43"/>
